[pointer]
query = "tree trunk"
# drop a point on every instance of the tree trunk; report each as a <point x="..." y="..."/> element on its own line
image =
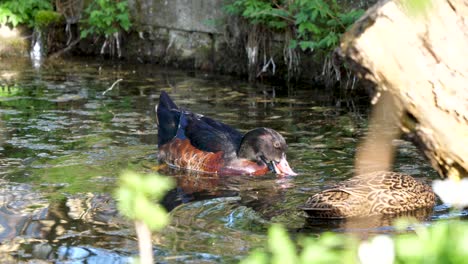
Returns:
<point x="419" y="55"/>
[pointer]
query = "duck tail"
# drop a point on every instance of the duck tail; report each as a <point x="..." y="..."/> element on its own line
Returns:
<point x="167" y="118"/>
<point x="166" y="101"/>
<point x="165" y="104"/>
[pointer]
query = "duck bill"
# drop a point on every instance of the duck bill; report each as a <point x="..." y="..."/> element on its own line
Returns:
<point x="283" y="167"/>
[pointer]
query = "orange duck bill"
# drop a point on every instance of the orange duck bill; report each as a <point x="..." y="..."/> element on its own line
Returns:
<point x="282" y="167"/>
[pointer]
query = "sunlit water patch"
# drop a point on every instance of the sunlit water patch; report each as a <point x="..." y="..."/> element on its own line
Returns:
<point x="63" y="143"/>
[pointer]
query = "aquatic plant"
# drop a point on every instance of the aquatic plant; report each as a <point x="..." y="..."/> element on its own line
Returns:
<point x="106" y="18"/>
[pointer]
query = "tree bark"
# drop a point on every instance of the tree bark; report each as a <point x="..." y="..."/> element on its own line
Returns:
<point x="420" y="57"/>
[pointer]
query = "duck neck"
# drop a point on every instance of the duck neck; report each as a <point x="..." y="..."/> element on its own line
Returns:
<point x="246" y="151"/>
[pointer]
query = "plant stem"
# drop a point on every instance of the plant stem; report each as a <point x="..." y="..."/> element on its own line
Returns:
<point x="145" y="245"/>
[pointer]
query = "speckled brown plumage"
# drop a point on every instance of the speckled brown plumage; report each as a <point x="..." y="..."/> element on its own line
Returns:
<point x="371" y="194"/>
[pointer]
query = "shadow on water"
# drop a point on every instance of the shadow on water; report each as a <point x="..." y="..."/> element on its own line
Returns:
<point x="63" y="144"/>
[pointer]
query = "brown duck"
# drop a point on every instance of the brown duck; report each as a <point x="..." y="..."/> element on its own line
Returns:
<point x="371" y="194"/>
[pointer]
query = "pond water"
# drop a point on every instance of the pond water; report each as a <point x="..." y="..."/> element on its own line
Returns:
<point x="65" y="137"/>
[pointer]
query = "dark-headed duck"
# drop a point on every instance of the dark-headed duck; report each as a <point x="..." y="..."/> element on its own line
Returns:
<point x="196" y="142"/>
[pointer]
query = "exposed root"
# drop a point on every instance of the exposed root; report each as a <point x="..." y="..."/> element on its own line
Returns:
<point x="113" y="43"/>
<point x="251" y="49"/>
<point x="291" y="57"/>
<point x="266" y="65"/>
<point x="71" y="10"/>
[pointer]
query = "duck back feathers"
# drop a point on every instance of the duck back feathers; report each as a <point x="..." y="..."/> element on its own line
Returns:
<point x="371" y="194"/>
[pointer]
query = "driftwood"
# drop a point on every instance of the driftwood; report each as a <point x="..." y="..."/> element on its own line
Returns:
<point x="420" y="58"/>
<point x="61" y="52"/>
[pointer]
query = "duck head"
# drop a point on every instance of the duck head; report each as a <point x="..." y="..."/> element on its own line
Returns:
<point x="266" y="146"/>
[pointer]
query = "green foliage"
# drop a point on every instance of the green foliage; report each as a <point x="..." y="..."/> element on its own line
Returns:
<point x="14" y="12"/>
<point x="258" y="11"/>
<point x="137" y="195"/>
<point x="444" y="242"/>
<point x="279" y="242"/>
<point x="316" y="24"/>
<point x="328" y="248"/>
<point x="44" y="18"/>
<point x="8" y="91"/>
<point x="106" y="17"/>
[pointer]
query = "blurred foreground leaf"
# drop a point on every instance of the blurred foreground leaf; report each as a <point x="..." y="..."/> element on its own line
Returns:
<point x="443" y="242"/>
<point x="138" y="196"/>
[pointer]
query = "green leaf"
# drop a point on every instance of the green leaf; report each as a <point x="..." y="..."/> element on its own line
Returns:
<point x="126" y="202"/>
<point x="307" y="45"/>
<point x="106" y="17"/>
<point x="256" y="257"/>
<point x="136" y="196"/>
<point x="122" y="6"/>
<point x="279" y="12"/>
<point x="301" y="18"/>
<point x="281" y="246"/>
<point x="293" y="44"/>
<point x="309" y="27"/>
<point x="232" y="9"/>
<point x="124" y="21"/>
<point x="277" y="24"/>
<point x="152" y="215"/>
<point x="350" y="17"/>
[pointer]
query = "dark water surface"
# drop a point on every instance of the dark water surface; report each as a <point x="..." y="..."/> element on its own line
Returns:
<point x="63" y="144"/>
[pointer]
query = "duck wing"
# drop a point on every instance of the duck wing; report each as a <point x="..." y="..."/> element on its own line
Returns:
<point x="203" y="132"/>
<point x="338" y="202"/>
<point x="210" y="135"/>
<point x="346" y="199"/>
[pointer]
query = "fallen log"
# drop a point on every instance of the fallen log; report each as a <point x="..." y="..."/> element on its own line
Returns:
<point x="419" y="56"/>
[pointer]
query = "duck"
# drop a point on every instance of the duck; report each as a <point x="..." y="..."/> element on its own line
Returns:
<point x="375" y="193"/>
<point x="196" y="142"/>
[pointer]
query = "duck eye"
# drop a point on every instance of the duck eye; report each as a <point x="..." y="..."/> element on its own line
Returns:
<point x="276" y="144"/>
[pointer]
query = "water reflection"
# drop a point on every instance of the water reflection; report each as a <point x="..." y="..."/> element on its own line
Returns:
<point x="65" y="143"/>
<point x="365" y="226"/>
<point x="44" y="230"/>
<point x="36" y="53"/>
